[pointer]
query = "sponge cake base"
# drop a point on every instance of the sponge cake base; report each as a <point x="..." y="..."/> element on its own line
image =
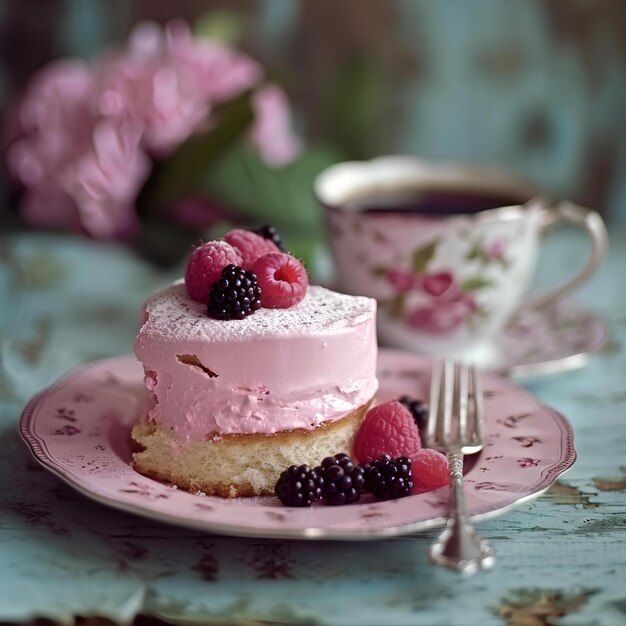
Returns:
<point x="240" y="465"/>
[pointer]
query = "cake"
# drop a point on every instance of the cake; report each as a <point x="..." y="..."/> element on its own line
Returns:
<point x="235" y="402"/>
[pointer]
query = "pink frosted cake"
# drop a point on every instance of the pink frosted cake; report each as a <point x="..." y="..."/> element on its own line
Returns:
<point x="237" y="401"/>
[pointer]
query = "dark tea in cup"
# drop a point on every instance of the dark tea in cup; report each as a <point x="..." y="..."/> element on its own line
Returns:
<point x="433" y="202"/>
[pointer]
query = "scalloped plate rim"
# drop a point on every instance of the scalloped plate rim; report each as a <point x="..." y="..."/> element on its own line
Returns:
<point x="39" y="451"/>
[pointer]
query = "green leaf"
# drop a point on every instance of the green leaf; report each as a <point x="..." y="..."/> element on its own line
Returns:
<point x="165" y="242"/>
<point x="279" y="196"/>
<point x="474" y="253"/>
<point x="378" y="271"/>
<point x="181" y="173"/>
<point x="283" y="197"/>
<point x="352" y="103"/>
<point x="396" y="306"/>
<point x="307" y="249"/>
<point x="422" y="256"/>
<point x="224" y="26"/>
<point x="474" y="284"/>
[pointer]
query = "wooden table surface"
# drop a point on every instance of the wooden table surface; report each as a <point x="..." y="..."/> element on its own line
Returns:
<point x="65" y="301"/>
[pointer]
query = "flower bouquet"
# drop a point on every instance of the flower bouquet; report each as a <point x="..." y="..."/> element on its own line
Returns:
<point x="157" y="143"/>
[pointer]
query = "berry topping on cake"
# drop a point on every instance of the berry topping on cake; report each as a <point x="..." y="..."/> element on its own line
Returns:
<point x="205" y="266"/>
<point x="269" y="232"/>
<point x="282" y="278"/>
<point x="235" y="295"/>
<point x="343" y="481"/>
<point x="388" y="428"/>
<point x="430" y="470"/>
<point x="387" y="478"/>
<point x="418" y="409"/>
<point x="250" y="245"/>
<point x="299" y="485"/>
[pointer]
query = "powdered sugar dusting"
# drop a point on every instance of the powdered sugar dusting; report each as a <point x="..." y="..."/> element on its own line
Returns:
<point x="174" y="314"/>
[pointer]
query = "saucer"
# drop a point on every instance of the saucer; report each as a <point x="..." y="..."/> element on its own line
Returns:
<point x="553" y="339"/>
<point x="79" y="429"/>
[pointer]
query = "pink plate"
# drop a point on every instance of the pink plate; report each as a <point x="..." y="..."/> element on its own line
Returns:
<point x="79" y="429"/>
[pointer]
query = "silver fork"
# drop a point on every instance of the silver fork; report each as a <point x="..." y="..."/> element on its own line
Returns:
<point x="456" y="427"/>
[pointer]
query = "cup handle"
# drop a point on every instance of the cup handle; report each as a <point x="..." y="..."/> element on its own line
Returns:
<point x="570" y="213"/>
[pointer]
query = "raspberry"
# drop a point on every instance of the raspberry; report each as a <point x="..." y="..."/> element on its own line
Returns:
<point x="250" y="245"/>
<point x="269" y="232"/>
<point x="419" y="411"/>
<point x="205" y="266"/>
<point x="387" y="478"/>
<point x="282" y="278"/>
<point x="388" y="428"/>
<point x="299" y="485"/>
<point x="235" y="295"/>
<point x="430" y="470"/>
<point x="343" y="480"/>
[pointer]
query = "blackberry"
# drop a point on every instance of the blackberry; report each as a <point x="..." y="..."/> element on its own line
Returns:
<point x="234" y="295"/>
<point x="387" y="478"/>
<point x="343" y="480"/>
<point x="270" y="232"/>
<point x="299" y="485"/>
<point x="417" y="408"/>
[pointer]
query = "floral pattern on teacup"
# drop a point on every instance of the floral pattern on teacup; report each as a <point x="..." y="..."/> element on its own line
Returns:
<point x="493" y="251"/>
<point x="434" y="301"/>
<point x="442" y="314"/>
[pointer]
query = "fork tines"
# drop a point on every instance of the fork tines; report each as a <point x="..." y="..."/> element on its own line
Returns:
<point x="456" y="413"/>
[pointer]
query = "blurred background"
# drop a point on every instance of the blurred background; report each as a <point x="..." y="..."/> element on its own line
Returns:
<point x="537" y="87"/>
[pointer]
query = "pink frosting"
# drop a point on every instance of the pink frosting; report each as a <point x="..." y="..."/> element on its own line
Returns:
<point x="277" y="370"/>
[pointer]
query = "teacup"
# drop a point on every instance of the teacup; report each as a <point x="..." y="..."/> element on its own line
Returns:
<point x="448" y="250"/>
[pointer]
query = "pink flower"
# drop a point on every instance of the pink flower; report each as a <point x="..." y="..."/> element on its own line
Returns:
<point x="169" y="82"/>
<point x="52" y="122"/>
<point x="79" y="171"/>
<point x="80" y="141"/>
<point x="402" y="280"/>
<point x="48" y="206"/>
<point x="271" y="133"/>
<point x="528" y="462"/>
<point x="442" y="316"/>
<point x="106" y="179"/>
<point x="221" y="72"/>
<point x="438" y="284"/>
<point x="495" y="249"/>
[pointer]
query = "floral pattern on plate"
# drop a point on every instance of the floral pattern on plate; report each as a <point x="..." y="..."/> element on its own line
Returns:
<point x="521" y="459"/>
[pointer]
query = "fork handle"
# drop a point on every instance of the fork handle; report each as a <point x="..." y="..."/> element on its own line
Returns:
<point x="459" y="546"/>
